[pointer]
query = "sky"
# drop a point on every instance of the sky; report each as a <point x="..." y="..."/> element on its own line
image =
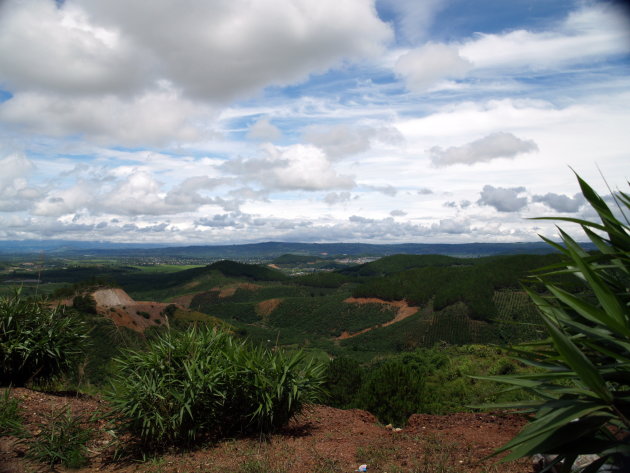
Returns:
<point x="378" y="121"/>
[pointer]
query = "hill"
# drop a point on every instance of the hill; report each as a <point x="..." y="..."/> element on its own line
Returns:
<point x="266" y="250"/>
<point x="447" y="299"/>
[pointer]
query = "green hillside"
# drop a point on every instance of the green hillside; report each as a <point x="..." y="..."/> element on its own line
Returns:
<point x="449" y="300"/>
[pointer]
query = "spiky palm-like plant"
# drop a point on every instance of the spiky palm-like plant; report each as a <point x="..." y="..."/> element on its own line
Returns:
<point x="38" y="342"/>
<point x="202" y="382"/>
<point x="582" y="382"/>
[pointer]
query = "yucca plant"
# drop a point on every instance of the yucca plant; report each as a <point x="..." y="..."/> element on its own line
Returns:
<point x="204" y="382"/>
<point x="37" y="342"/>
<point x="581" y="385"/>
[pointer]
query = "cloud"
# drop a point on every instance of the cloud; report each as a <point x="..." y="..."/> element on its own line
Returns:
<point x="561" y="202"/>
<point x="414" y="18"/>
<point x="65" y="201"/>
<point x="424" y="191"/>
<point x="296" y="167"/>
<point x="343" y="140"/>
<point x="15" y="192"/>
<point x="424" y="67"/>
<point x="398" y="213"/>
<point x="153" y="72"/>
<point x="79" y="56"/>
<point x="494" y="146"/>
<point x="220" y="221"/>
<point x="333" y="198"/>
<point x="153" y="118"/>
<point x="591" y="33"/>
<point x="503" y="199"/>
<point x="211" y="50"/>
<point x="451" y="226"/>
<point x="264" y="130"/>
<point x="387" y="190"/>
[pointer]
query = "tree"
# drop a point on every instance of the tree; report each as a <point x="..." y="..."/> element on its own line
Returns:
<point x="581" y="402"/>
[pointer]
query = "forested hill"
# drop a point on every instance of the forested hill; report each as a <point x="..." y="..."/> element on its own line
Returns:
<point x="270" y="250"/>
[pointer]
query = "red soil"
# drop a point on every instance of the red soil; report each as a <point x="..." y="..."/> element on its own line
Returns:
<point x="322" y="439"/>
<point x="404" y="311"/>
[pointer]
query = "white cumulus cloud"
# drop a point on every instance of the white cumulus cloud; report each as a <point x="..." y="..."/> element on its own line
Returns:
<point x="295" y="167"/>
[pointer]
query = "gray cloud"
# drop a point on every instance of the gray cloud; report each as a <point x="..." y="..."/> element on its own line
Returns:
<point x="387" y="190"/>
<point x="343" y="140"/>
<point x="426" y="66"/>
<point x="494" y="146"/>
<point x="561" y="202"/>
<point x="503" y="199"/>
<point x="211" y="50"/>
<point x="451" y="226"/>
<point x="333" y="198"/>
<point x="424" y="191"/>
<point x="264" y="130"/>
<point x="222" y="221"/>
<point x="398" y="213"/>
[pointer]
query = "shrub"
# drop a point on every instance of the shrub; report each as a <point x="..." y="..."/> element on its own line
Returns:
<point x="343" y="380"/>
<point x="203" y="382"/>
<point x="62" y="440"/>
<point x="10" y="415"/>
<point x="392" y="392"/>
<point x="37" y="342"/>
<point x="582" y="391"/>
<point x="84" y="303"/>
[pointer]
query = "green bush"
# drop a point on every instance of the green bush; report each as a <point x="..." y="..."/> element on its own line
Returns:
<point x="203" y="382"/>
<point x="37" y="342"/>
<point x="62" y="440"/>
<point x="392" y="392"/>
<point x="84" y="303"/>
<point x="582" y="389"/>
<point x="343" y="380"/>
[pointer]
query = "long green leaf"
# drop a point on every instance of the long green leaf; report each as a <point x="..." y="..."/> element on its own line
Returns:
<point x="578" y="361"/>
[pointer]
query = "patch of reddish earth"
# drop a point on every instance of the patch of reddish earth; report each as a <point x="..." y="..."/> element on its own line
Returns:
<point x="404" y="311"/>
<point x="321" y="439"/>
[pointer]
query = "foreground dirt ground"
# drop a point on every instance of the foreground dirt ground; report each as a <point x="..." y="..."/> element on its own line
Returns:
<point x="320" y="440"/>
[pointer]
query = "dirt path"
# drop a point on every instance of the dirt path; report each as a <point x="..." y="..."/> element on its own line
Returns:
<point x="404" y="311"/>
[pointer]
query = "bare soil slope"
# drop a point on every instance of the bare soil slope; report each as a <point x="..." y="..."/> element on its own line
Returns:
<point x="118" y="306"/>
<point x="322" y="439"/>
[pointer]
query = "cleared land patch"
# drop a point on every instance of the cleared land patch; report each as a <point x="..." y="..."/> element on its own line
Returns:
<point x="229" y="291"/>
<point x="266" y="308"/>
<point x="404" y="311"/>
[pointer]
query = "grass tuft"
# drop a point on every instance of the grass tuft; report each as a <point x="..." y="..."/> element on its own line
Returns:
<point x="62" y="440"/>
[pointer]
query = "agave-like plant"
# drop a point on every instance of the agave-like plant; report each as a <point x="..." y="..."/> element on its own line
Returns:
<point x="186" y="386"/>
<point x="581" y="381"/>
<point x="38" y="342"/>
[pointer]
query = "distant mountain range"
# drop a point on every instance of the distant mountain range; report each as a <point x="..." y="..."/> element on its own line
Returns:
<point x="269" y="249"/>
